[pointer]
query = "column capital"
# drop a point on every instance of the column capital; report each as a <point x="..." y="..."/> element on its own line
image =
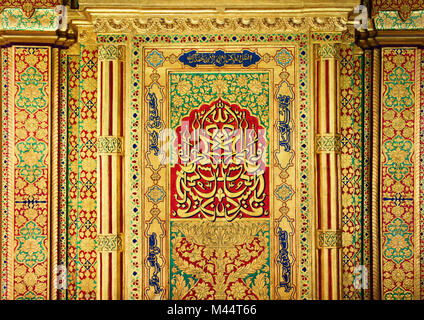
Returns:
<point x="327" y="50"/>
<point x="109" y="242"/>
<point x="108" y="145"/>
<point x="329" y="239"/>
<point x="328" y="143"/>
<point x="111" y="52"/>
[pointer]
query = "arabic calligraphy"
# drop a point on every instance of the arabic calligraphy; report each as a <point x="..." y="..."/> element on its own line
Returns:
<point x="219" y="58"/>
<point x="284" y="127"/>
<point x="154" y="251"/>
<point x="221" y="172"/>
<point x="283" y="259"/>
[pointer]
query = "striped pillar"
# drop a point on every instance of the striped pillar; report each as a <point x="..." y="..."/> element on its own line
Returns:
<point x="110" y="170"/>
<point x="327" y="139"/>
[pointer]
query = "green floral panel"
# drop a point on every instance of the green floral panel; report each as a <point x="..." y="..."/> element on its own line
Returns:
<point x="41" y="20"/>
<point x="390" y="20"/>
<point x="247" y="89"/>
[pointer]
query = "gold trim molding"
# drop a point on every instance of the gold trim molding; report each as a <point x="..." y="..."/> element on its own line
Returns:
<point x="59" y="38"/>
<point x="109" y="242"/>
<point x="329" y="239"/>
<point x="327" y="143"/>
<point x="109" y="145"/>
<point x="111" y="52"/>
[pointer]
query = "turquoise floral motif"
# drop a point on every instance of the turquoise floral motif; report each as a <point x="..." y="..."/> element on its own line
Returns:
<point x="390" y="20"/>
<point x="247" y="89"/>
<point x="284" y="192"/>
<point x="155" y="194"/>
<point x="398" y="246"/>
<point x="31" y="95"/>
<point x="398" y="152"/>
<point x="30" y="250"/>
<point x="30" y="296"/>
<point x="284" y="58"/>
<point x="155" y="58"/>
<point x="398" y="294"/>
<point x="31" y="154"/>
<point x="399" y="95"/>
<point x="40" y="20"/>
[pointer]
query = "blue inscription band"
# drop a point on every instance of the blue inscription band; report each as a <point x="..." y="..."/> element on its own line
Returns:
<point x="219" y="58"/>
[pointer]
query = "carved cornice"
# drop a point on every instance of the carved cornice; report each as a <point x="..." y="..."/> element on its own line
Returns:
<point x="263" y="5"/>
<point x="378" y="38"/>
<point x="58" y="38"/>
<point x="213" y="24"/>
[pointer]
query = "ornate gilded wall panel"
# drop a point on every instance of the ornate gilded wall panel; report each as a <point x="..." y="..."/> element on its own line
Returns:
<point x="179" y="79"/>
<point x="182" y="87"/>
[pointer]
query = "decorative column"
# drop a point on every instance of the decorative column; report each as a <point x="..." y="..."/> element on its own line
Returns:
<point x="397" y="152"/>
<point x="110" y="169"/>
<point x="33" y="126"/>
<point x="327" y="138"/>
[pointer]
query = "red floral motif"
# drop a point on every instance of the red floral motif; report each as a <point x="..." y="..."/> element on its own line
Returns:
<point x="218" y="268"/>
<point x="28" y="6"/>
<point x="404" y="7"/>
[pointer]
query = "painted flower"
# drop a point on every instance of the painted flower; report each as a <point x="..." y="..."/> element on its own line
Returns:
<point x="398" y="123"/>
<point x="398" y="242"/>
<point x="262" y="100"/>
<point x="388" y="283"/>
<point x="398" y="275"/>
<point x="87" y="285"/>
<point x="32" y="91"/>
<point x="399" y="59"/>
<point x="197" y="81"/>
<point x="202" y="290"/>
<point x="255" y="86"/>
<point x="31" y="125"/>
<point x="398" y="156"/>
<point x="345" y="82"/>
<point x="238" y="290"/>
<point x="389" y="115"/>
<point x="399" y="91"/>
<point x="242" y="80"/>
<point x="183" y="87"/>
<point x="409" y="283"/>
<point x="219" y="86"/>
<point x="30" y="279"/>
<point x="177" y="101"/>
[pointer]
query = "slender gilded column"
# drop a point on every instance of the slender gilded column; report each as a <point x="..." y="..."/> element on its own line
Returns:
<point x="375" y="177"/>
<point x="327" y="138"/>
<point x="110" y="169"/>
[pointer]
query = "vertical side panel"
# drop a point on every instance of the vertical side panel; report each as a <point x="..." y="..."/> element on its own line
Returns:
<point x="400" y="173"/>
